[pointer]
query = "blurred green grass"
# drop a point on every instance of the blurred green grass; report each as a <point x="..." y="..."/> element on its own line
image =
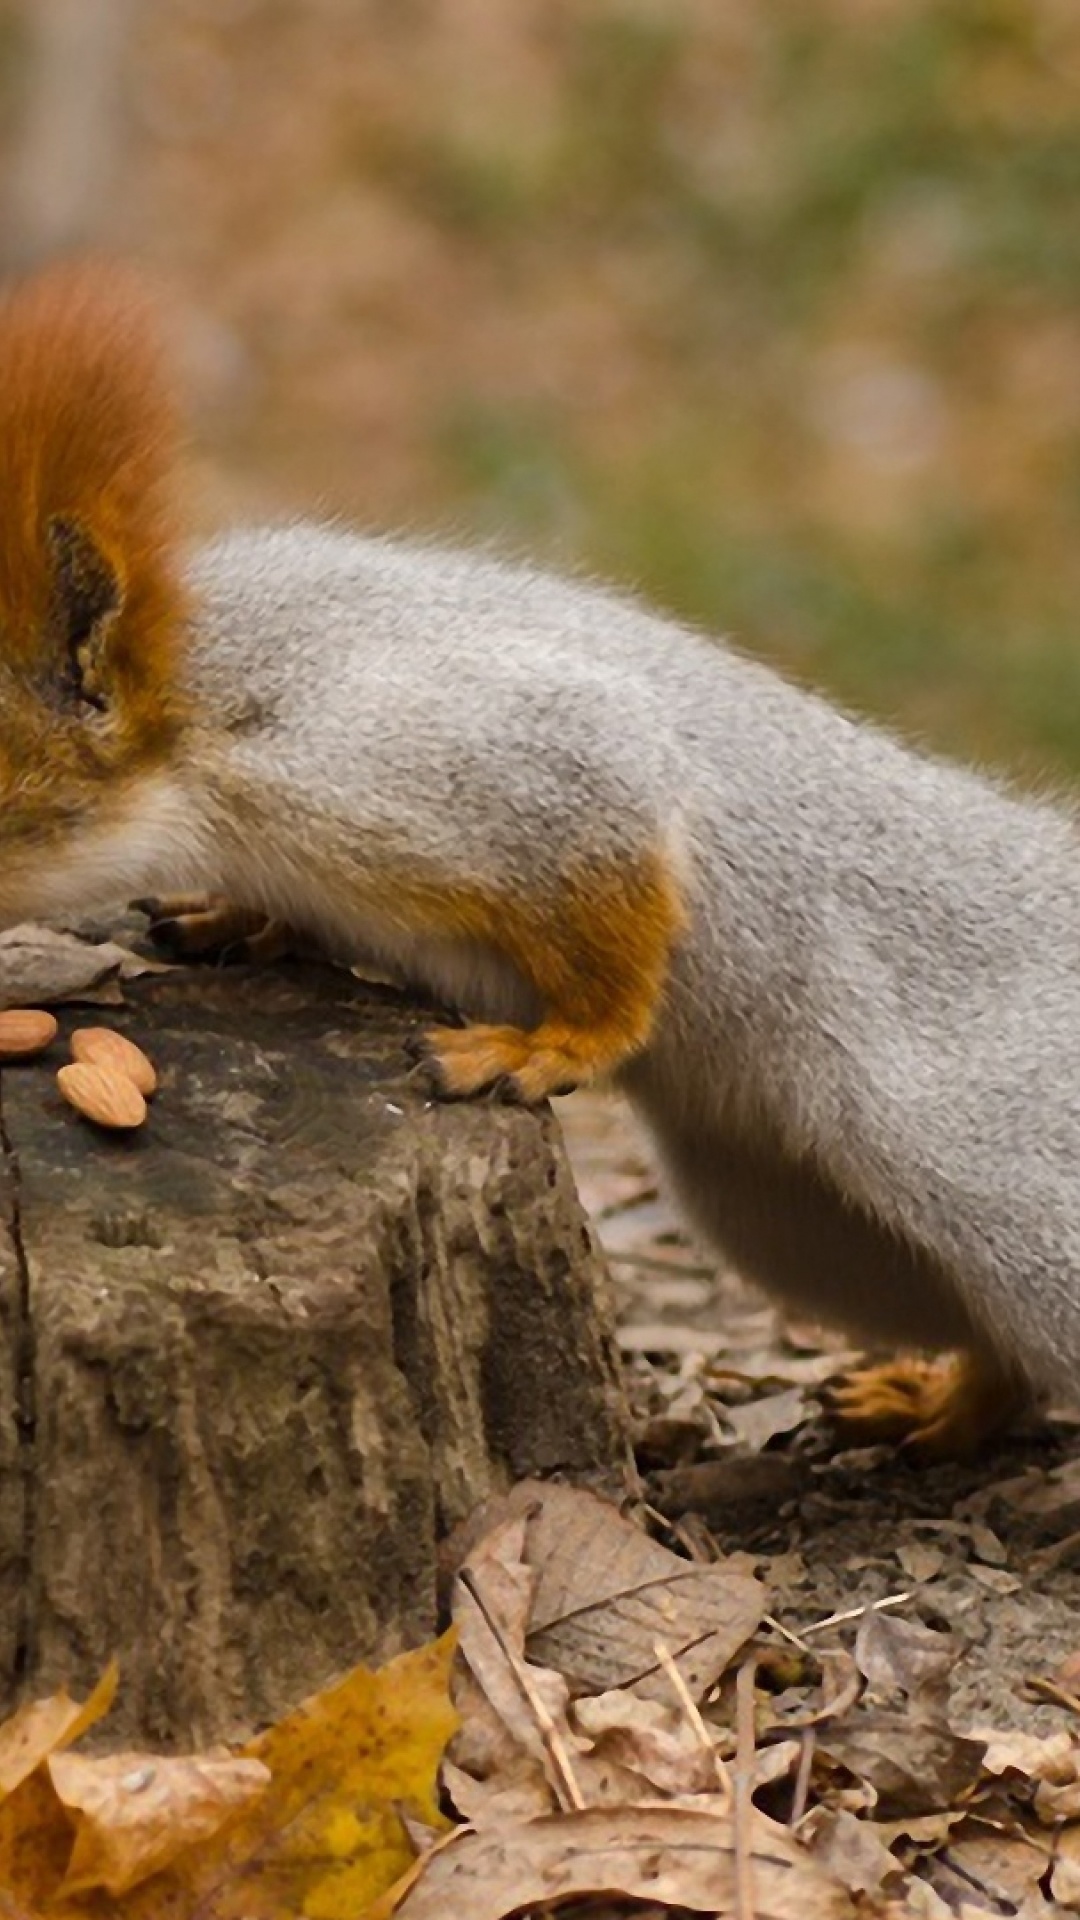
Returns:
<point x="771" y="311"/>
<point x="910" y="178"/>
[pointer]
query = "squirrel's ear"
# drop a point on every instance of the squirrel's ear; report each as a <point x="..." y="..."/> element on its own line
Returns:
<point x="87" y="595"/>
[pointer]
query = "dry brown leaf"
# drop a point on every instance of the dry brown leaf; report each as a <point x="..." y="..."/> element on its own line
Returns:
<point x="1054" y="1757"/>
<point x="491" y="1607"/>
<point x="671" y="1856"/>
<point x="518" y="1789"/>
<point x="1065" y="1876"/>
<point x="1055" y="1804"/>
<point x="841" y="1685"/>
<point x="653" y="1748"/>
<point x="997" y="1579"/>
<point x="40" y="966"/>
<point x="852" y="1850"/>
<point x="913" y="1766"/>
<point x="926" y="1832"/>
<point x="759" y="1421"/>
<point x="919" y="1561"/>
<point x="135" y="1813"/>
<point x="1006" y="1867"/>
<point x="502" y="1762"/>
<point x="606" y="1593"/>
<point x="1053" y="1498"/>
<point x="42" y="1727"/>
<point x="901" y="1656"/>
<point x="723" y="1491"/>
<point x="522" y="1751"/>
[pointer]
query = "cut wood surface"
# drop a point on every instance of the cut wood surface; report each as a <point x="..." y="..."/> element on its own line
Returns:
<point x="260" y="1355"/>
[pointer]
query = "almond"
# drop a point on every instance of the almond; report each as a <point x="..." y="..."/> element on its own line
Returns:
<point x="23" y="1031"/>
<point x="102" y="1095"/>
<point x="101" y="1047"/>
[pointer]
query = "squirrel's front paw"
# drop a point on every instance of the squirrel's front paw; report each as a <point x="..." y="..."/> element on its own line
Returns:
<point x="207" y="926"/>
<point x="504" y="1061"/>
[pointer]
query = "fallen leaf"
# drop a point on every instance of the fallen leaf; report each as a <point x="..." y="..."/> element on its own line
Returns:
<point x="996" y="1578"/>
<point x="902" y="1656"/>
<point x="852" y="1849"/>
<point x="1052" y="1805"/>
<point x="651" y="1743"/>
<point x="35" y="1843"/>
<point x="912" y="1765"/>
<point x="670" y="1856"/>
<point x="501" y="1759"/>
<point x="41" y="965"/>
<point x="1065" y="1877"/>
<point x="327" y="1836"/>
<point x="759" y="1421"/>
<point x="1006" y="1867"/>
<point x="660" y="1337"/>
<point x="43" y="1726"/>
<point x="523" y="1750"/>
<point x="919" y="1561"/>
<point x="606" y="1593"/>
<point x="1053" y="1757"/>
<point x="986" y="1544"/>
<point x="1053" y="1498"/>
<point x="135" y="1812"/>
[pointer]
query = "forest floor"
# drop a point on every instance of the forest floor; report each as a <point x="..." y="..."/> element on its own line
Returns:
<point x="739" y="1456"/>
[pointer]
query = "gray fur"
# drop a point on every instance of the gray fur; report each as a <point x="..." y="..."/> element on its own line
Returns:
<point x="865" y="1076"/>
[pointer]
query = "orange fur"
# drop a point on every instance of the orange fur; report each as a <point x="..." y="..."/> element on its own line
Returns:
<point x="597" y="957"/>
<point x="88" y="433"/>
<point x="940" y="1409"/>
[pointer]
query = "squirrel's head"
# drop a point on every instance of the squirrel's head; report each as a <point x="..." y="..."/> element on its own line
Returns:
<point x="91" y="607"/>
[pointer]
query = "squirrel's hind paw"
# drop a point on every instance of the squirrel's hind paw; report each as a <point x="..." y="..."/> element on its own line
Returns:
<point x="936" y="1410"/>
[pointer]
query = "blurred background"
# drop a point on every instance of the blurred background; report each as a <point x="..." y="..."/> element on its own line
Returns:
<point x="769" y="309"/>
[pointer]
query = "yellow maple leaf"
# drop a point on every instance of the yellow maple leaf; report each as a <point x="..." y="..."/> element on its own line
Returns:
<point x="320" y="1833"/>
<point x="329" y="1836"/>
<point x="328" y="1833"/>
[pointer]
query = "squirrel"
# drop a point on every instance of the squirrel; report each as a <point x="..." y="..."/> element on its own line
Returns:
<point x="835" y="976"/>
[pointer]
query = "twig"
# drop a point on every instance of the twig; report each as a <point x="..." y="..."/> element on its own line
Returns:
<point x="745" y="1745"/>
<point x="856" y="1613"/>
<point x="690" y="1546"/>
<point x="802" y="1777"/>
<point x="1049" y="1689"/>
<point x="769" y="1620"/>
<point x="652" y="1263"/>
<point x="554" y="1744"/>
<point x="701" y="1732"/>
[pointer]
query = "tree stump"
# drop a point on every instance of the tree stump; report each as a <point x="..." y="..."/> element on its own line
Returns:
<point x="258" y="1357"/>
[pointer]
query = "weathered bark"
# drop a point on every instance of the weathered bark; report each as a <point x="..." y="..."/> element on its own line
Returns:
<point x="256" y="1358"/>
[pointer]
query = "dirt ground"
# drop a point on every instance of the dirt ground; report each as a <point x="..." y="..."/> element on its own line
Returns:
<point x="739" y="1457"/>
